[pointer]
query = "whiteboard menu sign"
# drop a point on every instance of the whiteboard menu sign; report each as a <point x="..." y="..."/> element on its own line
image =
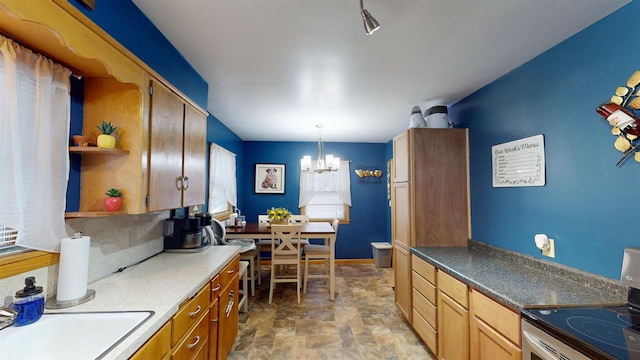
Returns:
<point x="519" y="163"/>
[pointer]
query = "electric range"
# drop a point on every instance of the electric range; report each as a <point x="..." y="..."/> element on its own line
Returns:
<point x="609" y="332"/>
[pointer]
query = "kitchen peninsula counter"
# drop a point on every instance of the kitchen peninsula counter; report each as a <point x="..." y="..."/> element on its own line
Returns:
<point x="159" y="284"/>
<point x="518" y="280"/>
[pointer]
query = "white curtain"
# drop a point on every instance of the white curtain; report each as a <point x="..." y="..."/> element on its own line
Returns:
<point x="222" y="179"/>
<point x="34" y="118"/>
<point x="313" y="184"/>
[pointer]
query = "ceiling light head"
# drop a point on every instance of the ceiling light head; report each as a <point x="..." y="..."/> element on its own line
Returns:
<point x="322" y="163"/>
<point x="370" y="23"/>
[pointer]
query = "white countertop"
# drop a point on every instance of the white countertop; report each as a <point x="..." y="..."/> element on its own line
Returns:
<point x="159" y="284"/>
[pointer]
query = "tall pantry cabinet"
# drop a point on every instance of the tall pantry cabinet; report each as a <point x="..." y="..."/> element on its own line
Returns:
<point x="429" y="199"/>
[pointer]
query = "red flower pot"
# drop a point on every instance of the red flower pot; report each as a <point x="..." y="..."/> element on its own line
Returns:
<point x="113" y="204"/>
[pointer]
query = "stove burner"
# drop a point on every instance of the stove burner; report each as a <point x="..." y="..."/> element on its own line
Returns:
<point x="610" y="333"/>
<point x="630" y="315"/>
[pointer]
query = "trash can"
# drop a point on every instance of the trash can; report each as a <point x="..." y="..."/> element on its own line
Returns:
<point x="381" y="254"/>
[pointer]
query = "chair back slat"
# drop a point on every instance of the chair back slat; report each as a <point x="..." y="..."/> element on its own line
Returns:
<point x="298" y="219"/>
<point x="289" y="240"/>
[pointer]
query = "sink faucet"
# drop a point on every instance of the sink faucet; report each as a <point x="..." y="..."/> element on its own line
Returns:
<point x="7" y="314"/>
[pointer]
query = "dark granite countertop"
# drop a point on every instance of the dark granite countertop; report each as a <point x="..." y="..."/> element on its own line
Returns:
<point x="518" y="281"/>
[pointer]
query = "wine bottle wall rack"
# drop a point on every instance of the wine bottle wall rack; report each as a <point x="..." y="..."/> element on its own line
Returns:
<point x="628" y="97"/>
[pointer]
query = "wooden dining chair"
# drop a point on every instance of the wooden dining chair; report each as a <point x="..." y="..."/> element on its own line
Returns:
<point x="263" y="245"/>
<point x="321" y="253"/>
<point x="300" y="219"/>
<point x="285" y="251"/>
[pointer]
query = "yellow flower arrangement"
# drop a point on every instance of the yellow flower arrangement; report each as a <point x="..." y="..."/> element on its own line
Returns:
<point x="278" y="214"/>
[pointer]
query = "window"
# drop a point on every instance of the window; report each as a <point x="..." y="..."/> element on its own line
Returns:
<point x="222" y="181"/>
<point x="34" y="96"/>
<point x="326" y="196"/>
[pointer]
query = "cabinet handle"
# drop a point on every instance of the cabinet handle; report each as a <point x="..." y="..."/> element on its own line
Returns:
<point x="179" y="183"/>
<point x="214" y="320"/>
<point x="195" y="343"/>
<point x="230" y="304"/>
<point x="231" y="271"/>
<point x="194" y="313"/>
<point x="185" y="182"/>
<point x="216" y="288"/>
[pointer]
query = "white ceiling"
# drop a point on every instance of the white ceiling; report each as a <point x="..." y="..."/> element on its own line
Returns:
<point x="276" y="68"/>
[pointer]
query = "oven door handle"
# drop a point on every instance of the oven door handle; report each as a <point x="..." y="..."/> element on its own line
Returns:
<point x="532" y="343"/>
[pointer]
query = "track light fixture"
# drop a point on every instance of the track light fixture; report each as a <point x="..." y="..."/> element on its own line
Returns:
<point x="370" y="24"/>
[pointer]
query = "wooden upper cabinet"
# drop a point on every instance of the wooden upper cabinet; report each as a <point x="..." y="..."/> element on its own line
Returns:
<point x="195" y="154"/>
<point x="435" y="164"/>
<point x="401" y="157"/>
<point x="177" y="151"/>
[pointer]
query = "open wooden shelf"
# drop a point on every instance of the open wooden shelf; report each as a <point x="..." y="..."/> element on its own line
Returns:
<point x="92" y="214"/>
<point x="96" y="150"/>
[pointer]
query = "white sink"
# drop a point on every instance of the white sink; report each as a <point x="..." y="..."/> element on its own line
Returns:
<point x="69" y="336"/>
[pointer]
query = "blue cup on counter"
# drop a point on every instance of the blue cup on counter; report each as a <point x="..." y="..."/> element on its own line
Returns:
<point x="29" y="303"/>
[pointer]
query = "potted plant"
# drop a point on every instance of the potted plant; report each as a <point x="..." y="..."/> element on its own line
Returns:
<point x="113" y="201"/>
<point x="105" y="139"/>
<point x="278" y="215"/>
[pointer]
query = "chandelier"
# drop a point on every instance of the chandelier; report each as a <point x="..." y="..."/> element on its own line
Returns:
<point x="322" y="163"/>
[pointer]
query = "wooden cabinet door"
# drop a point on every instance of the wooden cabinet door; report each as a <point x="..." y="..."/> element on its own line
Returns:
<point x="488" y="344"/>
<point x="402" y="274"/>
<point x="440" y="183"/>
<point x="400" y="215"/>
<point x="401" y="157"/>
<point x="453" y="329"/>
<point x="213" y="329"/>
<point x="158" y="347"/>
<point x="165" y="147"/>
<point x="195" y="148"/>
<point x="228" y="317"/>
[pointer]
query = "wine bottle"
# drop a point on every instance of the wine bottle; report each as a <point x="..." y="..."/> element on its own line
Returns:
<point x="618" y="116"/>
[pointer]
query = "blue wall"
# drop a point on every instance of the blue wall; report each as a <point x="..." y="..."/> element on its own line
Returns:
<point x="369" y="200"/>
<point x="588" y="204"/>
<point x="119" y="18"/>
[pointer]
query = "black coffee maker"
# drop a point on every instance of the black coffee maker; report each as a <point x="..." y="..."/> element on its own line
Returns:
<point x="186" y="234"/>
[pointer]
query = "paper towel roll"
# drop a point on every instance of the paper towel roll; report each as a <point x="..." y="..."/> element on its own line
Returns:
<point x="73" y="269"/>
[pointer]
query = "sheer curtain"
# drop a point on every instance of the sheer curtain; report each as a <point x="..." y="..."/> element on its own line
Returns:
<point x="222" y="179"/>
<point x="327" y="191"/>
<point x="34" y="118"/>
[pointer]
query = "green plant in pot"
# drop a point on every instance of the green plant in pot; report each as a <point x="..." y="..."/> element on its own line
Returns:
<point x="106" y="140"/>
<point x="113" y="201"/>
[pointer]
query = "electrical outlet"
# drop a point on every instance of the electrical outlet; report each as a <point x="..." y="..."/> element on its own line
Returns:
<point x="551" y="251"/>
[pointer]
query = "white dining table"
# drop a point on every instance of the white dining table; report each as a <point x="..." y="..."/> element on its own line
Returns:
<point x="310" y="230"/>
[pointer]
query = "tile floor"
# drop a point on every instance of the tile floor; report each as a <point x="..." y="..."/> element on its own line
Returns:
<point x="361" y="323"/>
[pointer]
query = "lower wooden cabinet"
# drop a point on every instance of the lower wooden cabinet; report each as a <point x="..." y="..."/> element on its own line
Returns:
<point x="424" y="300"/>
<point x="205" y="325"/>
<point x="495" y="330"/>
<point x="453" y="329"/>
<point x="224" y="326"/>
<point x="402" y="277"/>
<point x="460" y="323"/>
<point x="157" y="347"/>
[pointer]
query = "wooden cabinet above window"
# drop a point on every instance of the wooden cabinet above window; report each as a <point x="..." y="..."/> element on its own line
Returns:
<point x="116" y="89"/>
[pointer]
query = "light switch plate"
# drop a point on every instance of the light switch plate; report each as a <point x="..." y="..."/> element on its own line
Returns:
<point x="630" y="275"/>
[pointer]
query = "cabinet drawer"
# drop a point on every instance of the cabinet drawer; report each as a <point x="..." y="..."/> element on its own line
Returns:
<point x="229" y="271"/>
<point x="195" y="340"/>
<point x="425" y="308"/>
<point x="456" y="289"/>
<point x="423" y="268"/>
<point x="503" y="320"/>
<point x="189" y="313"/>
<point x="423" y="286"/>
<point x="428" y="334"/>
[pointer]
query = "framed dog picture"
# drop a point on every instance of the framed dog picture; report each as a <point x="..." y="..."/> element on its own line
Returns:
<point x="269" y="179"/>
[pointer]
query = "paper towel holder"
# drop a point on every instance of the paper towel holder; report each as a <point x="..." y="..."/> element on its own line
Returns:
<point x="53" y="303"/>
